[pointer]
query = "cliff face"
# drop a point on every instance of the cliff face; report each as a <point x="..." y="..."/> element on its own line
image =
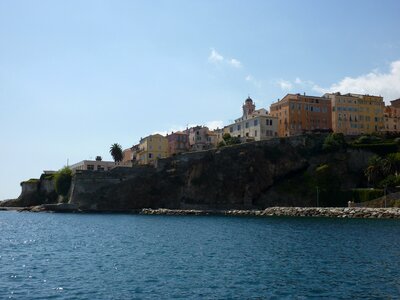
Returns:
<point x="34" y="192"/>
<point x="281" y="172"/>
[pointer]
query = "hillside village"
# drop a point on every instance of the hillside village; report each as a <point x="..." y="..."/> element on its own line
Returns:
<point x="293" y="115"/>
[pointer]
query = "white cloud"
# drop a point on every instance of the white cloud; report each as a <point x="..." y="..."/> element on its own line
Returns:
<point x="249" y="78"/>
<point x="215" y="57"/>
<point x="235" y="63"/>
<point x="214" y="124"/>
<point x="174" y="128"/>
<point x="298" y="80"/>
<point x="374" y="83"/>
<point x="285" y="85"/>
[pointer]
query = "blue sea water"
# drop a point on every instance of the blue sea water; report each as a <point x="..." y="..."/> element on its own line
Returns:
<point x="106" y="256"/>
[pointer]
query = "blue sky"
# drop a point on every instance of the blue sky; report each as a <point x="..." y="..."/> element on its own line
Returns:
<point x="77" y="76"/>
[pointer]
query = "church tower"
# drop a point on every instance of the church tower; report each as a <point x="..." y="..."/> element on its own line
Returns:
<point x="248" y="107"/>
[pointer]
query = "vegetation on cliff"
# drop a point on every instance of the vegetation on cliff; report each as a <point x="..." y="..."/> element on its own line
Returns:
<point x="62" y="181"/>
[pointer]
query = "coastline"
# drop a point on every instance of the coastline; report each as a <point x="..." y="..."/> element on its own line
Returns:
<point x="328" y="212"/>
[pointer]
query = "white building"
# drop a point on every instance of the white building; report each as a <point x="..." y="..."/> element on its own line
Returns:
<point x="255" y="124"/>
<point x="93" y="165"/>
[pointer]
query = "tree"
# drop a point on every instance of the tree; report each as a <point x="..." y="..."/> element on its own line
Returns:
<point x="116" y="152"/>
<point x="334" y="141"/>
<point x="374" y="171"/>
<point x="392" y="164"/>
<point x="62" y="181"/>
<point x="227" y="140"/>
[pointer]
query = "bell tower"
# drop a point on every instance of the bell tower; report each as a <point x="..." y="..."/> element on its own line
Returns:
<point x="248" y="107"/>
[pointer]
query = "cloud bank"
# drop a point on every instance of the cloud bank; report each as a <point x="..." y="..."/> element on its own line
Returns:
<point x="374" y="83"/>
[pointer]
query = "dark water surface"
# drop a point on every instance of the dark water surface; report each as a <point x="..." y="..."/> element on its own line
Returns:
<point x="93" y="256"/>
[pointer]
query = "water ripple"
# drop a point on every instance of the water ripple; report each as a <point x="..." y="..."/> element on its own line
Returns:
<point x="73" y="256"/>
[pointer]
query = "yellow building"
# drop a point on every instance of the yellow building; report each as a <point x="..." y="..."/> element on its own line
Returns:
<point x="354" y="114"/>
<point x="151" y="148"/>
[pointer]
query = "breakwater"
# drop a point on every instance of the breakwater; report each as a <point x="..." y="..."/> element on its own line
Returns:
<point x="329" y="212"/>
<point x="332" y="212"/>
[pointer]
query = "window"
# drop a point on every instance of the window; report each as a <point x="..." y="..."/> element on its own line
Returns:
<point x="150" y="155"/>
<point x="231" y="129"/>
<point x="247" y="124"/>
<point x="100" y="168"/>
<point x="238" y="127"/>
<point x="255" y="122"/>
<point x="255" y="132"/>
<point x="90" y="167"/>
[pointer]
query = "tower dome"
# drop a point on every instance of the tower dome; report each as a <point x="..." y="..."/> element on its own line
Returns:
<point x="249" y="107"/>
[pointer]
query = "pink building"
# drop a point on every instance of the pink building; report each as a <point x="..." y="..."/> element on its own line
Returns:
<point x="178" y="142"/>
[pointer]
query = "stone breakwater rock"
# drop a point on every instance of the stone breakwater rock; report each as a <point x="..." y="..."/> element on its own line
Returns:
<point x="60" y="207"/>
<point x="331" y="212"/>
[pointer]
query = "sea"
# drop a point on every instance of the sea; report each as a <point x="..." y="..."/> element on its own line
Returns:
<point x="123" y="256"/>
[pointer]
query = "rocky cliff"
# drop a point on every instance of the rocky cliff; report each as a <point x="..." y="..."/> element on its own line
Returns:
<point x="279" y="172"/>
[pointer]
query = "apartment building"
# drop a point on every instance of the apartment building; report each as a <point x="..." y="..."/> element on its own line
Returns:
<point x="298" y="114"/>
<point x="178" y="142"/>
<point x="355" y="114"/>
<point x="201" y="138"/>
<point x="151" y="148"/>
<point x="391" y="116"/>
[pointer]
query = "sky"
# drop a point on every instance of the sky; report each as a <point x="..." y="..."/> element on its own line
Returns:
<point x="78" y="76"/>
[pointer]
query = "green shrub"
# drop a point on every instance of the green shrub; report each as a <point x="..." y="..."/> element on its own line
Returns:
<point x="380" y="149"/>
<point x="390" y="181"/>
<point x="62" y="181"/>
<point x="368" y="139"/>
<point x="334" y="141"/>
<point x="363" y="195"/>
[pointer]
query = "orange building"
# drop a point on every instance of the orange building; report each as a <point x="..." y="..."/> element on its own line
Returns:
<point x="298" y="114"/>
<point x="392" y="116"/>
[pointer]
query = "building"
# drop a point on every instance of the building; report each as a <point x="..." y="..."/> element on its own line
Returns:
<point x="219" y="132"/>
<point x="201" y="138"/>
<point x="254" y="125"/>
<point x="129" y="156"/>
<point x="298" y="114"/>
<point x="391" y="115"/>
<point x="151" y="148"/>
<point x="178" y="142"/>
<point x="355" y="114"/>
<point x="93" y="165"/>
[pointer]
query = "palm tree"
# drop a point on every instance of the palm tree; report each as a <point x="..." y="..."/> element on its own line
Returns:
<point x="116" y="152"/>
<point x="374" y="169"/>
<point x="392" y="163"/>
